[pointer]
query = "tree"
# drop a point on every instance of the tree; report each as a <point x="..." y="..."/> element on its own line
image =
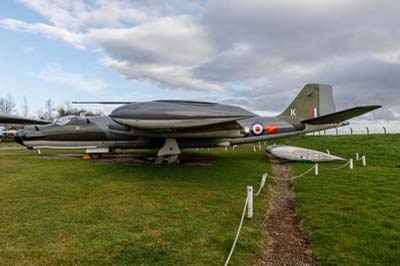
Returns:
<point x="67" y="109"/>
<point x="49" y="109"/>
<point x="7" y="105"/>
<point x="25" y="108"/>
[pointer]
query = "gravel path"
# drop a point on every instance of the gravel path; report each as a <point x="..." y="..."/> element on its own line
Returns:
<point x="287" y="244"/>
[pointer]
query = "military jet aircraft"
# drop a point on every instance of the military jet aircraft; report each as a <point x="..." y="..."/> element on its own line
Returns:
<point x="172" y="125"/>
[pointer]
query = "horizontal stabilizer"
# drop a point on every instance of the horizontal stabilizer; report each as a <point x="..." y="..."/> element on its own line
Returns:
<point x="7" y="119"/>
<point x="341" y="116"/>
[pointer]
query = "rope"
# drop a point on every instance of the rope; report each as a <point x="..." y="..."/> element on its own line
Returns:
<point x="262" y="184"/>
<point x="237" y="233"/>
<point x="306" y="172"/>
<point x="294" y="177"/>
<point x="335" y="168"/>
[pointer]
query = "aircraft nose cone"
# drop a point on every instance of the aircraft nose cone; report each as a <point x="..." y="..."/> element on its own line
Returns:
<point x="18" y="137"/>
<point x="121" y="112"/>
<point x="269" y="149"/>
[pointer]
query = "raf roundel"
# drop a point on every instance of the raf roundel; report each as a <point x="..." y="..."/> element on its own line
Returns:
<point x="257" y="129"/>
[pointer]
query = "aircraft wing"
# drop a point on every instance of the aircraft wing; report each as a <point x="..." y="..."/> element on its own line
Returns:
<point x="105" y="103"/>
<point x="341" y="116"/>
<point x="16" y="120"/>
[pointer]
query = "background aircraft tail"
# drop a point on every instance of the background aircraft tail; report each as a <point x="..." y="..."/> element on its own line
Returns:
<point x="313" y="101"/>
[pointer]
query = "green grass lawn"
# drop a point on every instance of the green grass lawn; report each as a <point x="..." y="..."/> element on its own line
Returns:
<point x="352" y="217"/>
<point x="57" y="211"/>
<point x="73" y="212"/>
<point x="8" y="143"/>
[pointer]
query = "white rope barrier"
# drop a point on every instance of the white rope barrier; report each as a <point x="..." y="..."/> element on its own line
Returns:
<point x="362" y="158"/>
<point x="294" y="177"/>
<point x="263" y="180"/>
<point x="248" y="206"/>
<point x="336" y="168"/>
<point x="250" y="195"/>
<point x="237" y="233"/>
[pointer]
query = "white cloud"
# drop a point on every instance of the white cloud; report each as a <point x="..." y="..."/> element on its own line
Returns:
<point x="49" y="31"/>
<point x="77" y="14"/>
<point x="164" y="40"/>
<point x="158" y="52"/>
<point x="114" y="63"/>
<point x="53" y="73"/>
<point x="162" y="50"/>
<point x="204" y="45"/>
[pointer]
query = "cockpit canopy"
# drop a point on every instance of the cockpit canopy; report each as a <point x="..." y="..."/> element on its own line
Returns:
<point x="62" y="121"/>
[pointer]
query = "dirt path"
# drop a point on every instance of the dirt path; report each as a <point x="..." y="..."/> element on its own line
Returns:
<point x="288" y="246"/>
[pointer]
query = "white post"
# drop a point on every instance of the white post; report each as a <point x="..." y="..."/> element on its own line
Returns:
<point x="265" y="144"/>
<point x="259" y="146"/>
<point x="351" y="164"/>
<point x="254" y="148"/>
<point x="226" y="148"/>
<point x="357" y="156"/>
<point x="249" y="202"/>
<point x="316" y="169"/>
<point x="264" y="179"/>
<point x="364" y="160"/>
<point x="39" y="152"/>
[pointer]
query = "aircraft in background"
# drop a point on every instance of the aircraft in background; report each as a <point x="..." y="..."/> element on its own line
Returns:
<point x="1" y="134"/>
<point x="7" y="133"/>
<point x="172" y="125"/>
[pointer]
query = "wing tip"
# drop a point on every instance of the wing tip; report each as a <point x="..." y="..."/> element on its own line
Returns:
<point x="372" y="107"/>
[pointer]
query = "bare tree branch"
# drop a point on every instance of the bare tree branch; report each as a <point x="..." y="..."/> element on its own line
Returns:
<point x="25" y="108"/>
<point x="7" y="105"/>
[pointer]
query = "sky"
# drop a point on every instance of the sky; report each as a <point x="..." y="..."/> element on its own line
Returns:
<point x="257" y="54"/>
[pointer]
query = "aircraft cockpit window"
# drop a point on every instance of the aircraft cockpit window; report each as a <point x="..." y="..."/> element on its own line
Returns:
<point x="65" y="120"/>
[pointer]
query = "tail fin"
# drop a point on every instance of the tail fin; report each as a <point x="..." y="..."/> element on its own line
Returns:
<point x="313" y="101"/>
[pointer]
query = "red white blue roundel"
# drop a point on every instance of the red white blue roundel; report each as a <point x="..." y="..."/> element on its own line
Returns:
<point x="257" y="129"/>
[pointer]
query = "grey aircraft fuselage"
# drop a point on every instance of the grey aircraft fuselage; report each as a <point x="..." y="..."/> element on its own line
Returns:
<point x="169" y="125"/>
<point x="103" y="132"/>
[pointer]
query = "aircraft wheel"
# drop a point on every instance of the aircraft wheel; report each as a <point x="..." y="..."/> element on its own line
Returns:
<point x="171" y="159"/>
<point x="95" y="156"/>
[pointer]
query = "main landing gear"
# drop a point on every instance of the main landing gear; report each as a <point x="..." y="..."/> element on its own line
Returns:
<point x="169" y="152"/>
